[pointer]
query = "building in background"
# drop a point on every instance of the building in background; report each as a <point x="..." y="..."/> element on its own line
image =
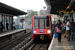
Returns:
<point x="29" y="12"/>
<point x="42" y="12"/>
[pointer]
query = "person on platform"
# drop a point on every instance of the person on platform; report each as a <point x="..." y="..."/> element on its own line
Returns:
<point x="14" y="25"/>
<point x="7" y="25"/>
<point x="67" y="33"/>
<point x="71" y="24"/>
<point x="11" y="25"/>
<point x="1" y="27"/>
<point x="58" y="30"/>
<point x="64" y="28"/>
<point x="73" y="32"/>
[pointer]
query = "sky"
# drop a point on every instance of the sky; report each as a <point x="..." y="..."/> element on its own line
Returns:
<point x="23" y="5"/>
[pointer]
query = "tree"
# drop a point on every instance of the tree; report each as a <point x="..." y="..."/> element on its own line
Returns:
<point x="30" y="16"/>
<point x="33" y="13"/>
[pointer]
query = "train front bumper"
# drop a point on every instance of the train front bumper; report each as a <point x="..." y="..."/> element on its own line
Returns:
<point x="42" y="36"/>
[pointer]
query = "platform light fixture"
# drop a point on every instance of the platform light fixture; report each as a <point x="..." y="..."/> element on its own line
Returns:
<point x="68" y="7"/>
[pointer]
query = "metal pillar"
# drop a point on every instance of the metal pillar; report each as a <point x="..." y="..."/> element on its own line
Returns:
<point x="25" y="23"/>
<point x="22" y="22"/>
<point x="12" y="21"/>
<point x="9" y="23"/>
<point x="2" y="19"/>
<point x="17" y="23"/>
<point x="59" y="17"/>
<point x="5" y="21"/>
<point x="64" y="17"/>
<point x="54" y="19"/>
<point x="74" y="16"/>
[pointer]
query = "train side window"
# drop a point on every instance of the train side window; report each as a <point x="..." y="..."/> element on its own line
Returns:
<point x="35" y="23"/>
<point x="47" y="23"/>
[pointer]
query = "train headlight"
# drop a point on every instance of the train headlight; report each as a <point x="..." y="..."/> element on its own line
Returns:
<point x="48" y="31"/>
<point x="35" y="31"/>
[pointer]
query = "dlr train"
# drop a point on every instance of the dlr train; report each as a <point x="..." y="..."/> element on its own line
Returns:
<point x="41" y="27"/>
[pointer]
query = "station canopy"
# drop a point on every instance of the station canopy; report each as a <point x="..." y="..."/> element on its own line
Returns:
<point x="57" y="5"/>
<point x="10" y="10"/>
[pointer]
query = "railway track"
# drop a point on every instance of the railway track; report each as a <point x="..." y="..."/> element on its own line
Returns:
<point x="10" y="44"/>
<point x="39" y="47"/>
<point x="35" y="46"/>
<point x="26" y="46"/>
<point x="24" y="43"/>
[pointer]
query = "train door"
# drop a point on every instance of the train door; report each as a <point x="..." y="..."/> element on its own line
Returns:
<point x="42" y="24"/>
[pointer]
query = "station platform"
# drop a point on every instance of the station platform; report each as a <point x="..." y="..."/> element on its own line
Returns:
<point x="10" y="32"/>
<point x="63" y="45"/>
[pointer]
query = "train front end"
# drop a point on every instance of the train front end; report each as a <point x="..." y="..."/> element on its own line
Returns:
<point x="41" y="27"/>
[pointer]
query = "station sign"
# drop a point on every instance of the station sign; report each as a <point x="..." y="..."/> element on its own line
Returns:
<point x="21" y="20"/>
<point x="66" y="12"/>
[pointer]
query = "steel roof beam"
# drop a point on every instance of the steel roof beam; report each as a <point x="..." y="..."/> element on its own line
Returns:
<point x="70" y="4"/>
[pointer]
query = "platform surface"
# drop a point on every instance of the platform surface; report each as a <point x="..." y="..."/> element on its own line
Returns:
<point x="10" y="32"/>
<point x="63" y="45"/>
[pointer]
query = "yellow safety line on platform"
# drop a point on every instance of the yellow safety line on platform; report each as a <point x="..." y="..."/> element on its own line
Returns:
<point x="65" y="44"/>
<point x="56" y="44"/>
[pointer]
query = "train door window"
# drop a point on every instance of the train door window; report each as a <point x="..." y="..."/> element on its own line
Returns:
<point x="42" y="23"/>
<point x="35" y="23"/>
<point x="47" y="22"/>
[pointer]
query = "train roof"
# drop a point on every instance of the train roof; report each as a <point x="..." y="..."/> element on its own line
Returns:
<point x="42" y="15"/>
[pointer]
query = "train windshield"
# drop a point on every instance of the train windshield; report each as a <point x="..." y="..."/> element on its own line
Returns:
<point x="41" y="22"/>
